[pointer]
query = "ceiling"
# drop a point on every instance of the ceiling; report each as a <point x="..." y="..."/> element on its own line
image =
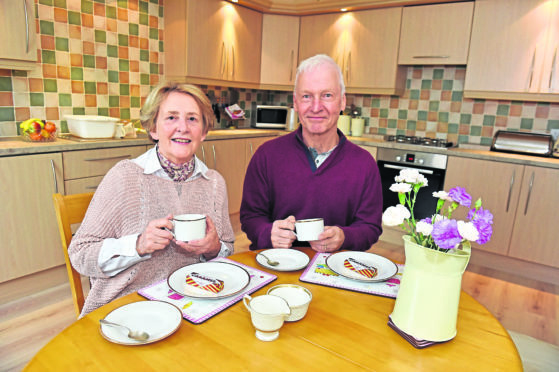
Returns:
<point x="304" y="7"/>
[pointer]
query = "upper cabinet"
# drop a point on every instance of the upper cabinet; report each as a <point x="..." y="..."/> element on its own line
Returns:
<point x="212" y="42"/>
<point x="363" y="43"/>
<point x="436" y="34"/>
<point x="280" y="47"/>
<point x="18" y="39"/>
<point x="513" y="51"/>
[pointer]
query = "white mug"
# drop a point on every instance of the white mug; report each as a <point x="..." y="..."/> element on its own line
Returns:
<point x="267" y="313"/>
<point x="189" y="227"/>
<point x="298" y="298"/>
<point x="309" y="229"/>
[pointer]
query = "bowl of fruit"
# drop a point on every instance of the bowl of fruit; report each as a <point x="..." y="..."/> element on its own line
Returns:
<point x="37" y="130"/>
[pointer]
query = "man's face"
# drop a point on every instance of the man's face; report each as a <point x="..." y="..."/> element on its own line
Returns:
<point x="318" y="99"/>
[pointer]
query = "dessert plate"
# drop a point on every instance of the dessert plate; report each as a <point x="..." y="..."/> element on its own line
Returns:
<point x="288" y="259"/>
<point x="385" y="268"/>
<point x="234" y="278"/>
<point x="159" y="319"/>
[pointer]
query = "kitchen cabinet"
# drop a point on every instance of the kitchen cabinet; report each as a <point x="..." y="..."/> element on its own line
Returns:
<point x="280" y="48"/>
<point x="28" y="229"/>
<point x="212" y="42"/>
<point x="363" y="43"/>
<point x="436" y="34"/>
<point x="18" y="38"/>
<point x="522" y="200"/>
<point x="513" y="51"/>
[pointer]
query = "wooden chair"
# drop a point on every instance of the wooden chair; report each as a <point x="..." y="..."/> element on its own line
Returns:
<point x="70" y="209"/>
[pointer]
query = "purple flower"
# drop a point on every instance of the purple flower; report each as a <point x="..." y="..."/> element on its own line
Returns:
<point x="481" y="215"/>
<point x="426" y="220"/>
<point x="459" y="195"/>
<point x="485" y="231"/>
<point x="445" y="234"/>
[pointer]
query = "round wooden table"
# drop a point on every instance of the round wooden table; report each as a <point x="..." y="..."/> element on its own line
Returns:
<point x="343" y="330"/>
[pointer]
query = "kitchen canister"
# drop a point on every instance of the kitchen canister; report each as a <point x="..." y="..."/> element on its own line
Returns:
<point x="343" y="124"/>
<point x="357" y="127"/>
<point x="292" y="119"/>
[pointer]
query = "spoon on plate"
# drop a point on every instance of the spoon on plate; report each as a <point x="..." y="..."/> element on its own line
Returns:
<point x="270" y="262"/>
<point x="135" y="335"/>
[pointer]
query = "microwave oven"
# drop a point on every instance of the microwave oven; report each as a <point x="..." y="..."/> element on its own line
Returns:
<point x="270" y="117"/>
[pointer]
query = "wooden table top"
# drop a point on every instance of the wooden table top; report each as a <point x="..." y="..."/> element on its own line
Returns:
<point x="342" y="330"/>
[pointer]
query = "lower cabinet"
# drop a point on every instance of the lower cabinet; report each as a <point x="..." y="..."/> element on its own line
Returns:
<point x="523" y="202"/>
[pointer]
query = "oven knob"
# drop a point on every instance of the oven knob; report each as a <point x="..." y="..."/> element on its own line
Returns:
<point x="398" y="158"/>
<point x="420" y="161"/>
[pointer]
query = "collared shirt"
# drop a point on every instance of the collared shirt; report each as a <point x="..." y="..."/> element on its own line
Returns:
<point x="320" y="158"/>
<point x="118" y="254"/>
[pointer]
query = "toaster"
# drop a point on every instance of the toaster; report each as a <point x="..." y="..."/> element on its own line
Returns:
<point x="523" y="143"/>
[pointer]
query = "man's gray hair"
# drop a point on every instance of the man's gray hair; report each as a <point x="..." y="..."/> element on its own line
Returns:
<point x="318" y="60"/>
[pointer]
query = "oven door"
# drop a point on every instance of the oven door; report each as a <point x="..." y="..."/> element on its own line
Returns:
<point x="425" y="203"/>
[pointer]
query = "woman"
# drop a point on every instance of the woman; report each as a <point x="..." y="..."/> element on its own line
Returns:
<point x="124" y="242"/>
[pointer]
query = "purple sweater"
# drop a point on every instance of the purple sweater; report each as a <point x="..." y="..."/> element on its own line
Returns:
<point x="282" y="180"/>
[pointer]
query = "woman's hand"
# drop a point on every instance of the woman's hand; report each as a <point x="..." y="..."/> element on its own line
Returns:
<point x="209" y="245"/>
<point x="154" y="237"/>
<point x="282" y="235"/>
<point x="330" y="240"/>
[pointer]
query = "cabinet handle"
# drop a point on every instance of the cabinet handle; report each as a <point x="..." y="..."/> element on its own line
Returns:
<point x="26" y="26"/>
<point x="421" y="57"/>
<point x="223" y="58"/>
<point x="529" y="193"/>
<point x="348" y="67"/>
<point x="204" y="155"/>
<point x="399" y="167"/>
<point x="532" y="70"/>
<point x="552" y="73"/>
<point x="54" y="176"/>
<point x="232" y="61"/>
<point x="215" y="158"/>
<point x="291" y="65"/>
<point x="91" y="187"/>
<point x="109" y="158"/>
<point x="251" y="152"/>
<point x="510" y="190"/>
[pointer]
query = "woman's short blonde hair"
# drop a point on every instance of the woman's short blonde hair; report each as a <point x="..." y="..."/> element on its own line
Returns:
<point x="150" y="110"/>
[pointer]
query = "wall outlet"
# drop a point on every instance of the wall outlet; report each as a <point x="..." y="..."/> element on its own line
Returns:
<point x="555" y="134"/>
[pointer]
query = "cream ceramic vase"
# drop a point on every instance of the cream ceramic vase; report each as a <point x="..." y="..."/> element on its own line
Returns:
<point x="427" y="302"/>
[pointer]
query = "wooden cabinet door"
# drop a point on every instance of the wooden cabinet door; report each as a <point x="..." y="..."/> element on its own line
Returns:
<point x="245" y="45"/>
<point x="550" y="73"/>
<point x="498" y="185"/>
<point x="324" y="34"/>
<point x="534" y="236"/>
<point x="280" y="45"/>
<point x="18" y="39"/>
<point x="29" y="234"/>
<point x="436" y="34"/>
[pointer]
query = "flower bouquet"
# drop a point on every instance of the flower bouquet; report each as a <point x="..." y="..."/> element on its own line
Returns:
<point x="437" y="251"/>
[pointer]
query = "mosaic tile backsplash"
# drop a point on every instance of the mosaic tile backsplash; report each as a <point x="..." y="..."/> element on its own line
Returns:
<point x="102" y="57"/>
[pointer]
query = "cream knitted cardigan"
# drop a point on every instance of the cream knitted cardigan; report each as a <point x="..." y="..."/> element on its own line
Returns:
<point x="124" y="203"/>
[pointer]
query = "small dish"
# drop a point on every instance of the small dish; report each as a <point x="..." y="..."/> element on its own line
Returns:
<point x="289" y="259"/>
<point x="159" y="319"/>
<point x="298" y="298"/>
<point x="234" y="278"/>
<point x="385" y="268"/>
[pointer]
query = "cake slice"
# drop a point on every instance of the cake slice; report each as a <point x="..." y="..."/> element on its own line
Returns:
<point x="203" y="282"/>
<point x="360" y="268"/>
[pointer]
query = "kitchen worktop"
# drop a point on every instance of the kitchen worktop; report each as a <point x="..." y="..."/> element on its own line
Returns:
<point x="10" y="146"/>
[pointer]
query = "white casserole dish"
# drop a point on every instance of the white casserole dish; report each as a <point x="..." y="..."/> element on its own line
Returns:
<point x="91" y="126"/>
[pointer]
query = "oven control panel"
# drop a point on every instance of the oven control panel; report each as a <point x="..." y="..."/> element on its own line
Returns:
<point x="425" y="159"/>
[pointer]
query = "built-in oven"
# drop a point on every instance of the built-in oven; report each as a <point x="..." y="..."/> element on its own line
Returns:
<point x="431" y="165"/>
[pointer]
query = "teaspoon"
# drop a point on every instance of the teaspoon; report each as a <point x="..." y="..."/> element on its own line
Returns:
<point x="135" y="335"/>
<point x="270" y="262"/>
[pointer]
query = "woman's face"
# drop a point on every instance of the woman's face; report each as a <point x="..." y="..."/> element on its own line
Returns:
<point x="179" y="128"/>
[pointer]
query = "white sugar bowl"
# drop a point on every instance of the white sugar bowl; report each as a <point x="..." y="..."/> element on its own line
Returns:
<point x="298" y="298"/>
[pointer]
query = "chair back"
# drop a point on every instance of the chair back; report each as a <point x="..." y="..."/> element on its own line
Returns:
<point x="70" y="209"/>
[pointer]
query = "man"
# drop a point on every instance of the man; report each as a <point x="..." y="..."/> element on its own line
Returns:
<point x="313" y="172"/>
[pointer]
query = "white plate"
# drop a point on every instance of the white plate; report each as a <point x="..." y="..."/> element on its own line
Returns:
<point x="159" y="319"/>
<point x="386" y="268"/>
<point x="234" y="277"/>
<point x="289" y="259"/>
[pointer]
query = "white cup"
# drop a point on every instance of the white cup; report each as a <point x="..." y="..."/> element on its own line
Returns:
<point x="189" y="227"/>
<point x="298" y="298"/>
<point x="267" y="313"/>
<point x="309" y="229"/>
<point x="357" y="127"/>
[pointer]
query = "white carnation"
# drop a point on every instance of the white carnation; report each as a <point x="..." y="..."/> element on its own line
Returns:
<point x="442" y="195"/>
<point x="394" y="216"/>
<point x="408" y="175"/>
<point x="438" y="218"/>
<point x="400" y="187"/>
<point x="468" y="231"/>
<point x="421" y="179"/>
<point x="424" y="228"/>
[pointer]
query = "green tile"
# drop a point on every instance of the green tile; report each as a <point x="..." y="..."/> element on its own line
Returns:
<point x="122" y="40"/>
<point x="475" y="130"/>
<point x="457" y="96"/>
<point x="153" y="33"/>
<point x="133" y="29"/>
<point x="465" y="118"/>
<point x="411" y="125"/>
<point x="526" y="123"/>
<point x="462" y="138"/>
<point x="61" y="43"/>
<point x="123" y="65"/>
<point x="375" y="102"/>
<point x="60" y="4"/>
<point x="381" y="130"/>
<point x="486" y="141"/>
<point x="154" y="1"/>
<point x="112" y="51"/>
<point x="78" y="110"/>
<point x="422" y="115"/>
<point x="114" y="101"/>
<point x="161" y="11"/>
<point x="392" y="123"/>
<point x="453" y="128"/>
<point x="37" y="99"/>
<point x="144" y="19"/>
<point x="48" y="56"/>
<point x="125" y="113"/>
<point x="7" y="114"/>
<point x="113" y="76"/>
<point x="543" y="104"/>
<point x="443" y="117"/>
<point x="488" y="120"/>
<point x="20" y="73"/>
<point x="448" y="84"/>
<point x="402" y="114"/>
<point x="74" y="18"/>
<point x="135" y="102"/>
<point x="76" y="73"/>
<point x="124" y="89"/>
<point x="64" y="126"/>
<point x="45" y="2"/>
<point x="49" y="85"/>
<point x="122" y="3"/>
<point x="161" y="47"/>
<point x="400" y="132"/>
<point x="144" y="79"/>
<point x="383" y="113"/>
<point x="426" y="84"/>
<point x="438" y="74"/>
<point x="88" y="61"/>
<point x="503" y="110"/>
<point x="153" y="68"/>
<point x="64" y="99"/>
<point x="143" y="6"/>
<point x="46" y="27"/>
<point x="110" y="12"/>
<point x="552" y="124"/>
<point x="103" y="111"/>
<point x="414" y="94"/>
<point x="408" y="83"/>
<point x="433" y="105"/>
<point x="6" y="84"/>
<point x="100" y="36"/>
<point x="90" y="87"/>
<point x="87" y="7"/>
